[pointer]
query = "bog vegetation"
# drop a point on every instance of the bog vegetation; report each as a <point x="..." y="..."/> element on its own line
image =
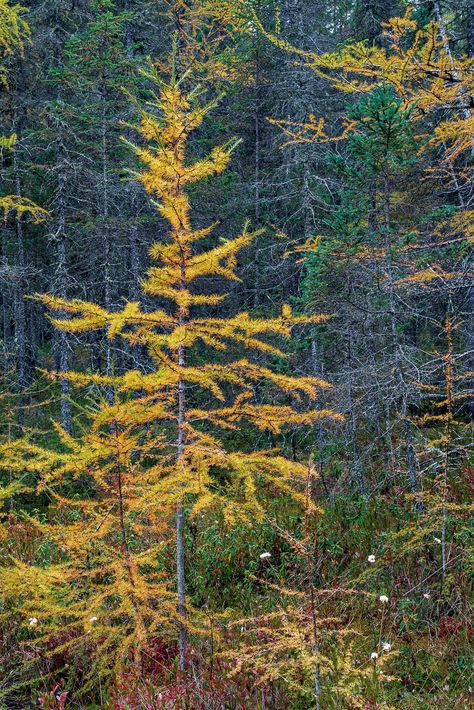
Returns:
<point x="236" y="463"/>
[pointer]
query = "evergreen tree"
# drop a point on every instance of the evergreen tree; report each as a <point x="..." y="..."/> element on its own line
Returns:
<point x="365" y="244"/>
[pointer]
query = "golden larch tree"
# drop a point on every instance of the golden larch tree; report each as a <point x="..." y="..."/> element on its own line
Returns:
<point x="157" y="447"/>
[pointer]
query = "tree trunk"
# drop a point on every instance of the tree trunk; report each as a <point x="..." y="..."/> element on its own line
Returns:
<point x="257" y="157"/>
<point x="470" y="28"/>
<point x="107" y="266"/>
<point x="8" y="360"/>
<point x="356" y="454"/>
<point x="61" y="343"/>
<point x="21" y="353"/>
<point x="180" y="560"/>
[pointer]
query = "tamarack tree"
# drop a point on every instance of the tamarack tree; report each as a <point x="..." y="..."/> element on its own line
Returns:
<point x="156" y="450"/>
<point x="14" y="32"/>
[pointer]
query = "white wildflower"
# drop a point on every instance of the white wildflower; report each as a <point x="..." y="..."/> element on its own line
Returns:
<point x="383" y="598"/>
<point x="371" y="558"/>
<point x="92" y="619"/>
<point x="374" y="655"/>
<point x="426" y="596"/>
<point x="32" y="620"/>
<point x="436" y="539"/>
<point x="265" y="555"/>
<point x="386" y="646"/>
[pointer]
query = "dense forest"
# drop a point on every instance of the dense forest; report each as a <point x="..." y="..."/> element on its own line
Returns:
<point x="237" y="354"/>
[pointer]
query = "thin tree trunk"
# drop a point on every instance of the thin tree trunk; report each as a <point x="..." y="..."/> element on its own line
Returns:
<point x="180" y="557"/>
<point x="108" y="266"/>
<point x="257" y="158"/>
<point x="470" y="28"/>
<point x="356" y="455"/>
<point x="449" y="380"/>
<point x="61" y="338"/>
<point x="21" y="355"/>
<point x="182" y="316"/>
<point x="8" y="362"/>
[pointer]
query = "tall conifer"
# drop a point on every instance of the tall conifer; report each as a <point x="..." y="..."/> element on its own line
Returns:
<point x="157" y="446"/>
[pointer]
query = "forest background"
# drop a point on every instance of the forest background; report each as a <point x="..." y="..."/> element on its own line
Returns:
<point x="236" y="471"/>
